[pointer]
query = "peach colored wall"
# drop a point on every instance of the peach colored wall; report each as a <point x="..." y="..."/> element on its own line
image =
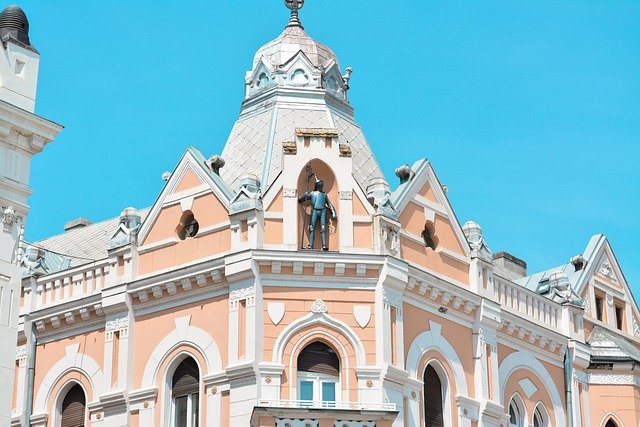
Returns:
<point x="298" y="302"/>
<point x="460" y="337"/>
<point x="541" y="395"/>
<point x="277" y="203"/>
<point x="324" y="172"/>
<point x="427" y="192"/>
<point x="185" y="251"/>
<point x="622" y="400"/>
<point x="503" y="352"/>
<point x="207" y="210"/>
<point x="419" y="254"/>
<point x="211" y="315"/>
<point x="358" y="206"/>
<point x="273" y="230"/>
<point x="362" y="235"/>
<point x="48" y="354"/>
<point x="189" y="180"/>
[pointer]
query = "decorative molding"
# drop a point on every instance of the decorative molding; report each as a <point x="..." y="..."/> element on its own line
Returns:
<point x="488" y="336"/>
<point x="289" y="147"/>
<point x="289" y="192"/>
<point x="117" y="324"/>
<point x="607" y="270"/>
<point x="346" y="195"/>
<point x="318" y="307"/>
<point x="580" y="376"/>
<point x="615" y="379"/>
<point x="242" y="293"/>
<point x="636" y="327"/>
<point x="391" y="297"/>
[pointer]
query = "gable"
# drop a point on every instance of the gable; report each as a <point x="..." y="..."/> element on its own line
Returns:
<point x="187" y="181"/>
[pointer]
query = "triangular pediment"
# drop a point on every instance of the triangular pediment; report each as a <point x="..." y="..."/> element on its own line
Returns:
<point x="189" y="184"/>
<point x="422" y="198"/>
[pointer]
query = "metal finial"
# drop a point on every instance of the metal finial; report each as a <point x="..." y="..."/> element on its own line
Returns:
<point x="294" y="6"/>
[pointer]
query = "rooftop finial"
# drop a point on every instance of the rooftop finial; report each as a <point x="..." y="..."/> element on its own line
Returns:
<point x="295" y="6"/>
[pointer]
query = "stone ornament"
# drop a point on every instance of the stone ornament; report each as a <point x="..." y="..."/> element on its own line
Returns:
<point x="319" y="307"/>
<point x="242" y="293"/>
<point x="9" y="216"/>
<point x="607" y="270"/>
<point x="276" y="311"/>
<point x="362" y="314"/>
<point x="369" y="383"/>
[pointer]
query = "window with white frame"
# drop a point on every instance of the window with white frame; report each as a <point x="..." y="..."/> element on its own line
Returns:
<point x="540" y="416"/>
<point x="185" y="386"/>
<point x="318" y="375"/>
<point x="515" y="414"/>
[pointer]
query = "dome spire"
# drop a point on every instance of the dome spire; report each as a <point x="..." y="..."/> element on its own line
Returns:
<point x="295" y="6"/>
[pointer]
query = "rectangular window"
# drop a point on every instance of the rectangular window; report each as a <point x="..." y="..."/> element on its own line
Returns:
<point x="317" y="390"/>
<point x="306" y="390"/>
<point x="599" y="307"/>
<point x="619" y="317"/>
<point x="328" y="392"/>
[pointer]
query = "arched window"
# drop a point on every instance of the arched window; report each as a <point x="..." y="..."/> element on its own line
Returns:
<point x="73" y="408"/>
<point x="185" y="387"/>
<point x="433" y="399"/>
<point x="540" y="416"/>
<point x="318" y="375"/>
<point x="515" y="414"/>
<point x="610" y="423"/>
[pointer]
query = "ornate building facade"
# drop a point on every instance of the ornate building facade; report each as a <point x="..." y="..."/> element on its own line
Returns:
<point x="208" y="309"/>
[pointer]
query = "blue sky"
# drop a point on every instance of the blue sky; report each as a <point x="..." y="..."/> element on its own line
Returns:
<point x="528" y="110"/>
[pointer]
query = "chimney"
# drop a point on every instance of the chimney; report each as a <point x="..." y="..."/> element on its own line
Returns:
<point x="516" y="266"/>
<point x="76" y="223"/>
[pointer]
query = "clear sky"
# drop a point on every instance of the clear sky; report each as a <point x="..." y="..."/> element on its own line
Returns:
<point x="528" y="110"/>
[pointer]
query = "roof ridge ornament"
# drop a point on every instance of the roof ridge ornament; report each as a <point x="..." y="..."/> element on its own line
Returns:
<point x="294" y="6"/>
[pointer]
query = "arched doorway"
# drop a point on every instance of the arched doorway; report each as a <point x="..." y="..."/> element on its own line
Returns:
<point x="433" y="398"/>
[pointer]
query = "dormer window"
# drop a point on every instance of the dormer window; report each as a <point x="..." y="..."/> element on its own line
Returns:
<point x="619" y="311"/>
<point x="599" y="307"/>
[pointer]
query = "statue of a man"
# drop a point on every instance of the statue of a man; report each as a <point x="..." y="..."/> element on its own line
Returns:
<point x="319" y="205"/>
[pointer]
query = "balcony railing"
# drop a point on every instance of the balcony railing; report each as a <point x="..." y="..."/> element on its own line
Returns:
<point x="310" y="404"/>
<point x="528" y="303"/>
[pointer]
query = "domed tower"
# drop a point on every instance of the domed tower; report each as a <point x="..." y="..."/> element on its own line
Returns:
<point x="295" y="83"/>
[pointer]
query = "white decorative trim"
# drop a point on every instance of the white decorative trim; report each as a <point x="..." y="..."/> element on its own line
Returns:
<point x="615" y="379"/>
<point x="319" y="307"/>
<point x="345" y="195"/>
<point x="525" y="360"/>
<point x="117" y="324"/>
<point x="73" y="360"/>
<point x="580" y="376"/>
<point x="187" y="334"/>
<point x="314" y="319"/>
<point x="488" y="336"/>
<point x="391" y="297"/>
<point x="289" y="192"/>
<point x="432" y="339"/>
<point x="242" y="293"/>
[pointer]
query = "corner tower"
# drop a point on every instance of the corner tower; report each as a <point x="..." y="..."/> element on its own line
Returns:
<point x="295" y="83"/>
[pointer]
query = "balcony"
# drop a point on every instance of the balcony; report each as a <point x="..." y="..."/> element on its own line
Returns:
<point x="320" y="414"/>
